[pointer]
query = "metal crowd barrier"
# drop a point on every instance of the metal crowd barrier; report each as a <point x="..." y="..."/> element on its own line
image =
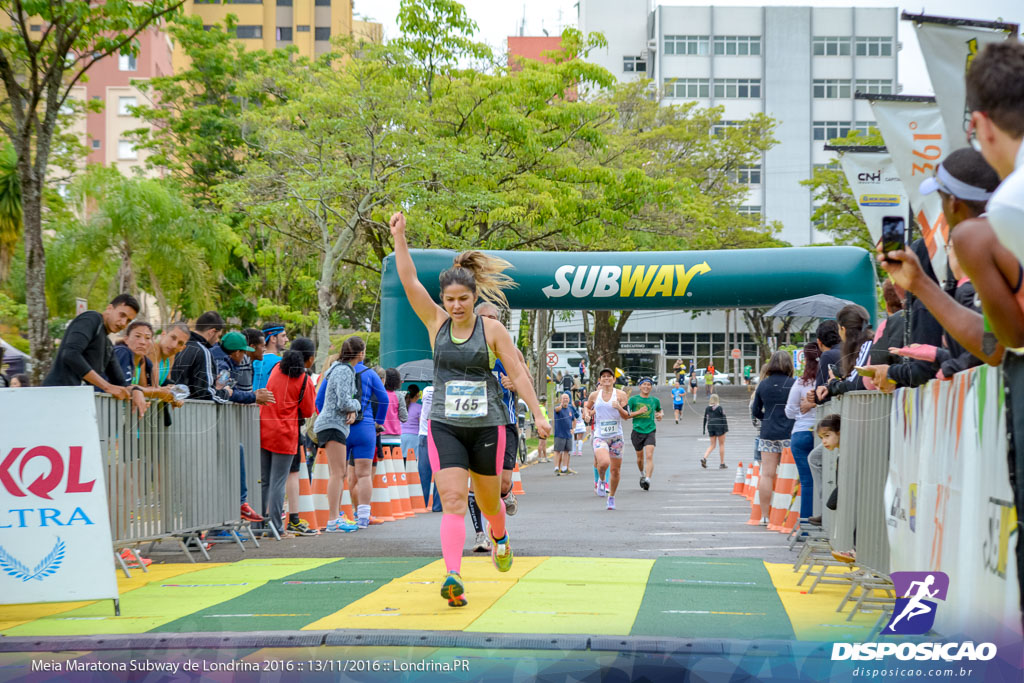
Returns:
<point x="176" y="470"/>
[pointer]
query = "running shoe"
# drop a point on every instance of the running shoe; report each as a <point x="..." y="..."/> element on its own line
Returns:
<point x="249" y="514"/>
<point x="558" y="472"/>
<point x="340" y="525"/>
<point x="611" y="502"/>
<point x="704" y="463"/>
<point x="601" y="488"/>
<point x="645" y="483"/>
<point x="363" y="522"/>
<point x="501" y="553"/>
<point x="130" y="560"/>
<point x="848" y="557"/>
<point x="301" y="529"/>
<point x="453" y="590"/>
<point x="723" y="466"/>
<point x="482" y="546"/>
<point x="511" y="504"/>
<point x="569" y="472"/>
<point x="597" y="488"/>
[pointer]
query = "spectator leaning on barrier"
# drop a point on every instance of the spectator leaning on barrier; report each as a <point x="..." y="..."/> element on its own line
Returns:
<point x="857" y="335"/>
<point x="995" y="98"/>
<point x="279" y="429"/>
<point x="85" y="354"/>
<point x="890" y="331"/>
<point x="800" y="409"/>
<point x="769" y="406"/>
<point x="132" y="355"/>
<point x="194" y="366"/>
<point x="964" y="181"/>
<point x="275" y="340"/>
<point x="828" y="341"/>
<point x="167" y="347"/>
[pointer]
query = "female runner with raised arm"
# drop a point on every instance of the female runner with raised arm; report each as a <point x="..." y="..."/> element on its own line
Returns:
<point x="467" y="418"/>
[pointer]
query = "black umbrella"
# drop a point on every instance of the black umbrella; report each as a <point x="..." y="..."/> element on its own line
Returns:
<point x="417" y="370"/>
<point x="816" y="306"/>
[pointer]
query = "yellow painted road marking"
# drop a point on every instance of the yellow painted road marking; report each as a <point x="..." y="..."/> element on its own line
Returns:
<point x="813" y="615"/>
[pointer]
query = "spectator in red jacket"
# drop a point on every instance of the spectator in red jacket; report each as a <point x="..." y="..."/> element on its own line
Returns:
<point x="280" y="421"/>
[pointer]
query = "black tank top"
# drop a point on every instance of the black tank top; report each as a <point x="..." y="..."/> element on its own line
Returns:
<point x="466" y="392"/>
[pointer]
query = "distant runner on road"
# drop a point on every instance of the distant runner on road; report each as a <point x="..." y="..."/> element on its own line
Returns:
<point x="678" y="398"/>
<point x="644" y="410"/>
<point x="606" y="405"/>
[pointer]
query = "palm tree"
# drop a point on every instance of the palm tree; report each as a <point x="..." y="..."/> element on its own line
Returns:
<point x="10" y="208"/>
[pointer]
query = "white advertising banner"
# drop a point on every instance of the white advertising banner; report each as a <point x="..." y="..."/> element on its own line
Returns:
<point x="917" y="141"/>
<point x="948" y="51"/>
<point x="55" y="540"/>
<point x="949" y="506"/>
<point x="876" y="188"/>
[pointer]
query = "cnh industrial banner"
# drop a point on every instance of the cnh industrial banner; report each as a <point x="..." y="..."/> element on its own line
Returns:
<point x="55" y="540"/>
<point x="916" y="139"/>
<point x="948" y="51"/>
<point x="876" y="188"/>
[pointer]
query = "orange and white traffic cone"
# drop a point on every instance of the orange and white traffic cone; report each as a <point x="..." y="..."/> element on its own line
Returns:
<point x="785" y="481"/>
<point x="517" y="481"/>
<point x="400" y="506"/>
<point x="412" y="478"/>
<point x="793" y="514"/>
<point x="755" y="509"/>
<point x="746" y="481"/>
<point x="307" y="510"/>
<point x="321" y="473"/>
<point x="380" y="500"/>
<point x="737" y="487"/>
<point x="755" y="479"/>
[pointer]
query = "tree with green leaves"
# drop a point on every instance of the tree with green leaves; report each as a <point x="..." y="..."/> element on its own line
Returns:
<point x="39" y="71"/>
<point x="10" y="208"/>
<point x="141" y="234"/>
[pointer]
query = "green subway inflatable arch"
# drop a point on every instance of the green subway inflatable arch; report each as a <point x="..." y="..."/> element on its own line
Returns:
<point x="740" y="278"/>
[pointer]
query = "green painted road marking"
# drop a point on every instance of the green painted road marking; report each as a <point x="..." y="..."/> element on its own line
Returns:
<point x="295" y="600"/>
<point x="729" y="600"/>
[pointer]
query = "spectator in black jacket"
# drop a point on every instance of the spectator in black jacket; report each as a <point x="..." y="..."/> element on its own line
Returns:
<point x="194" y="366"/>
<point x="890" y="331"/>
<point x="85" y="354"/>
<point x="770" y="408"/>
<point x="858" y="337"/>
<point x="828" y="339"/>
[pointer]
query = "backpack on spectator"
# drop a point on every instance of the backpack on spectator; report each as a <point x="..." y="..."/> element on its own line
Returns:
<point x="310" y="421"/>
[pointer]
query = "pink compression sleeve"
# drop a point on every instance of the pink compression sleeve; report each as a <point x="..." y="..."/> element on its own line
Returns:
<point x="453" y="540"/>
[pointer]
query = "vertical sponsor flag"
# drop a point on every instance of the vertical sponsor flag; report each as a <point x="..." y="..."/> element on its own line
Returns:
<point x="948" y="51"/>
<point x="876" y="187"/>
<point x="54" y="526"/>
<point x="917" y="141"/>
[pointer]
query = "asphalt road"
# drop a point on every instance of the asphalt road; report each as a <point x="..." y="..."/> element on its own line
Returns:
<point x="688" y="511"/>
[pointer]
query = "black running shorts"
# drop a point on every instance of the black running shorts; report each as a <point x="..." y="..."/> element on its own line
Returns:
<point x="640" y="440"/>
<point x="477" y="449"/>
<point x="511" y="446"/>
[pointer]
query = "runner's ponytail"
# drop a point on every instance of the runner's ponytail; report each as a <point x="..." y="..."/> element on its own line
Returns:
<point x="482" y="274"/>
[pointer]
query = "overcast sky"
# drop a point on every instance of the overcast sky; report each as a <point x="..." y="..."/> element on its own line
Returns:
<point x="499" y="19"/>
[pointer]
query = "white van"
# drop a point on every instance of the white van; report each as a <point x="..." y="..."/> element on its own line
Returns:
<point x="566" y="361"/>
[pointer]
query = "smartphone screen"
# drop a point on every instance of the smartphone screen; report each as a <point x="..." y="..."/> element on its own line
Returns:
<point x="893" y="233"/>
<point x="835" y="370"/>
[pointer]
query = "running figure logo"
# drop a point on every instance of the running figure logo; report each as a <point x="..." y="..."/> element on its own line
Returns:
<point x="914" y="613"/>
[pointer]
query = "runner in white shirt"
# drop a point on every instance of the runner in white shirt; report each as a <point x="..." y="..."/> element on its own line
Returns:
<point x="607" y="407"/>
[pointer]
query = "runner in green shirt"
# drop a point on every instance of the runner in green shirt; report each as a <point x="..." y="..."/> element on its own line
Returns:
<point x="644" y="409"/>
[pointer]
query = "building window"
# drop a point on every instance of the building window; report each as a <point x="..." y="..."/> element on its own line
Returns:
<point x="243" y="2"/>
<point x="829" y="130"/>
<point x="126" y="150"/>
<point x="124" y="104"/>
<point x="687" y="87"/>
<point x="206" y="2"/>
<point x="874" y="47"/>
<point x="831" y="88"/>
<point x="832" y="46"/>
<point x="749" y="175"/>
<point x="749" y="210"/>
<point x="875" y="86"/>
<point x="35" y="28"/>
<point x="686" y="45"/>
<point x="738" y="88"/>
<point x="322" y="33"/>
<point x="302" y="28"/>
<point x="284" y="3"/>
<point x="284" y="32"/>
<point x="323" y="3"/>
<point x="249" y="31"/>
<point x="95" y="144"/>
<point x="634" y="64"/>
<point x="126" y="62"/>
<point x="737" y="45"/>
<point x="722" y="126"/>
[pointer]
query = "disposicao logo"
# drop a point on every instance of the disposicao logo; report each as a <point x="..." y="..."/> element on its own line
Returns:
<point x="627" y="281"/>
<point x="914" y="613"/>
<point x="879" y="200"/>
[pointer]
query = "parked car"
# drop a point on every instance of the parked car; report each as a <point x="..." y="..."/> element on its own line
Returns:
<point x="720" y="377"/>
